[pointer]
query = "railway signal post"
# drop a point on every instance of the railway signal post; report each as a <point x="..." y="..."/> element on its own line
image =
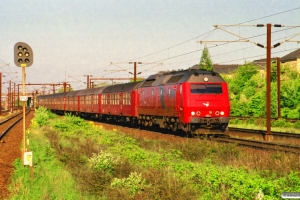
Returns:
<point x="23" y="57"/>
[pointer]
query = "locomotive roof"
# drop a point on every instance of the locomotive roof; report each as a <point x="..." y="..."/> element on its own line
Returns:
<point x="190" y="75"/>
<point x="122" y="87"/>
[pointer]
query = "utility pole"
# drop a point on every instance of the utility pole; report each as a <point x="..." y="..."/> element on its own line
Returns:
<point x="278" y="89"/>
<point x="268" y="73"/>
<point x="134" y="70"/>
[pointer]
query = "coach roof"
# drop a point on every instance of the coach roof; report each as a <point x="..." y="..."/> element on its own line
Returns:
<point x="122" y="87"/>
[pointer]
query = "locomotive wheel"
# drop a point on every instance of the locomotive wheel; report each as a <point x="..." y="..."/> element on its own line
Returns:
<point x="150" y="123"/>
<point x="174" y="127"/>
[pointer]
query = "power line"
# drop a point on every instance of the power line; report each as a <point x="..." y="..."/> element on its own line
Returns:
<point x="214" y="30"/>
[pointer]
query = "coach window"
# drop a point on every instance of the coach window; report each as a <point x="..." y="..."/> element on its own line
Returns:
<point x="82" y="100"/>
<point x="95" y="99"/>
<point x="161" y="91"/>
<point x="104" y="99"/>
<point x="152" y="92"/>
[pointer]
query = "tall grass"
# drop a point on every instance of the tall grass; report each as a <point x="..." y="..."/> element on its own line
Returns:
<point x="74" y="159"/>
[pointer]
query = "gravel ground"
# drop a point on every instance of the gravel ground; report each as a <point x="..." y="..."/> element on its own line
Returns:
<point x="10" y="149"/>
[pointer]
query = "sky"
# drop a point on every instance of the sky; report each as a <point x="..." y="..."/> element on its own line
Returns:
<point x="74" y="38"/>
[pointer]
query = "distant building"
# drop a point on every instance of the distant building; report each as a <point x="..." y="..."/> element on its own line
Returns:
<point x="261" y="63"/>
<point x="225" y="69"/>
<point x="292" y="59"/>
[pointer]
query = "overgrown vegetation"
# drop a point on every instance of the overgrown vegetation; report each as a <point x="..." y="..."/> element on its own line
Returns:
<point x="74" y="159"/>
<point x="248" y="94"/>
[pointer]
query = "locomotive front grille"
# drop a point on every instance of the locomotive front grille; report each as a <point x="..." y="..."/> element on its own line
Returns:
<point x="221" y="120"/>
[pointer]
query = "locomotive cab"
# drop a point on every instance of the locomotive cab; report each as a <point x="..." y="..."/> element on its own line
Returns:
<point x="206" y="102"/>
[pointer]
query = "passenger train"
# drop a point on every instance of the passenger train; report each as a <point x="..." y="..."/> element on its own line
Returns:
<point x="179" y="100"/>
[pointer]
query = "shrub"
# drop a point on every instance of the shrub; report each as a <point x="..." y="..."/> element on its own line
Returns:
<point x="42" y="116"/>
<point x="134" y="183"/>
<point x="103" y="161"/>
<point x="297" y="125"/>
<point x="279" y="123"/>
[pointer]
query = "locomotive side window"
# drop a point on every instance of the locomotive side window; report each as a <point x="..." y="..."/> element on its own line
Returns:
<point x="152" y="92"/>
<point x="169" y="91"/>
<point x="206" y="88"/>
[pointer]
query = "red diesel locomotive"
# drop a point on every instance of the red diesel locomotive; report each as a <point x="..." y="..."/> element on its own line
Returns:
<point x="185" y="99"/>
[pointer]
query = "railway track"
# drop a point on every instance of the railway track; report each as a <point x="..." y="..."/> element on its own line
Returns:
<point x="282" y="137"/>
<point x="286" y="119"/>
<point x="260" y="144"/>
<point x="275" y="133"/>
<point x="9" y="123"/>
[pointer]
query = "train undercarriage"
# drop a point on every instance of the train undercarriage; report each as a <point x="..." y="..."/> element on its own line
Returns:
<point x="164" y="122"/>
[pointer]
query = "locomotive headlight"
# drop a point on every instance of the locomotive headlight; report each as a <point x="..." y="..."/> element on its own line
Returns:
<point x="205" y="79"/>
<point x="193" y="113"/>
<point x="217" y="113"/>
<point x="222" y="113"/>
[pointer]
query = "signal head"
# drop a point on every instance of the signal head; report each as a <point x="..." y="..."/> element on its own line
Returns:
<point x="23" y="54"/>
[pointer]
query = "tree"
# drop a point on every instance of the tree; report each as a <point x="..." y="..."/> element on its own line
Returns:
<point x="205" y="61"/>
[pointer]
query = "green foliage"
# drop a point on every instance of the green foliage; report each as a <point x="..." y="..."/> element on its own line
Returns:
<point x="134" y="183"/>
<point x="247" y="91"/>
<point x="103" y="161"/>
<point x="297" y="125"/>
<point x="243" y="74"/>
<point x="279" y="123"/>
<point x="66" y="167"/>
<point x="70" y="124"/>
<point x="42" y="116"/>
<point x="205" y="60"/>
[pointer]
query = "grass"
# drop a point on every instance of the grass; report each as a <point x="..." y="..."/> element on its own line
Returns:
<point x="78" y="160"/>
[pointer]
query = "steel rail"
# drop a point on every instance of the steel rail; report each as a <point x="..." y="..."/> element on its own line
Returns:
<point x="261" y="144"/>
<point x="263" y="132"/>
<point x="6" y="130"/>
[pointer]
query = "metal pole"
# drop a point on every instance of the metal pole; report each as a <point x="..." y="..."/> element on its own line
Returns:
<point x="14" y="97"/>
<point x="65" y="85"/>
<point x="88" y="82"/>
<point x="23" y="105"/>
<point x="18" y="97"/>
<point x="278" y="88"/>
<point x="268" y="74"/>
<point x="0" y="93"/>
<point x="134" y="78"/>
<point x="9" y="94"/>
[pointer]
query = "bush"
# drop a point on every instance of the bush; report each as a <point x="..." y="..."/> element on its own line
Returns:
<point x="42" y="116"/>
<point x="297" y="125"/>
<point x="279" y="123"/>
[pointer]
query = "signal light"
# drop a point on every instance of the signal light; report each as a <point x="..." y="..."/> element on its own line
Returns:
<point x="23" y="54"/>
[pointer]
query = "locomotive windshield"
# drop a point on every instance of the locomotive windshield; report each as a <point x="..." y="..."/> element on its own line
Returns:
<point x="206" y="89"/>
